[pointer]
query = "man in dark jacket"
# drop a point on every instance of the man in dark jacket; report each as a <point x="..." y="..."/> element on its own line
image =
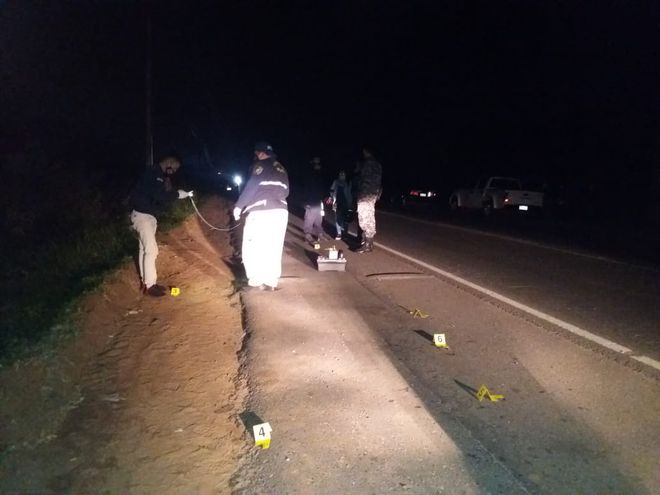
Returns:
<point x="369" y="190"/>
<point x="264" y="201"/>
<point x="342" y="202"/>
<point x="150" y="197"/>
<point x="314" y="194"/>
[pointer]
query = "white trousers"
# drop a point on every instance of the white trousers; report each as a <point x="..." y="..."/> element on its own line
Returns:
<point x="146" y="226"/>
<point x="263" y="242"/>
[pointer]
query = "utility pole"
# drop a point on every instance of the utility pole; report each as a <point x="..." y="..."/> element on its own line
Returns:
<point x="147" y="75"/>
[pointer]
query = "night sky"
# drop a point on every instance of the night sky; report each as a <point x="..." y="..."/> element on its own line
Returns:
<point x="443" y="91"/>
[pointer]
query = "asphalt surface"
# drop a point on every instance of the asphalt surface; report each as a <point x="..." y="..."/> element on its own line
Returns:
<point x="611" y="297"/>
<point x="360" y="401"/>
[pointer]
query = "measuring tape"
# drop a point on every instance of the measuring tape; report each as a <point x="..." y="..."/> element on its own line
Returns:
<point x="207" y="223"/>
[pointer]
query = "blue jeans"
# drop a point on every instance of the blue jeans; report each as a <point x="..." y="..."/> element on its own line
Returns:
<point x="341" y="221"/>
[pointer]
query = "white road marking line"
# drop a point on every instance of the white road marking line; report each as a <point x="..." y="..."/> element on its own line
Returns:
<point x="647" y="361"/>
<point x="399" y="276"/>
<point x="538" y="244"/>
<point x="613" y="346"/>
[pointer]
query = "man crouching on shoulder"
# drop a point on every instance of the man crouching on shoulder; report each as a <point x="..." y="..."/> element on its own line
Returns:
<point x="152" y="195"/>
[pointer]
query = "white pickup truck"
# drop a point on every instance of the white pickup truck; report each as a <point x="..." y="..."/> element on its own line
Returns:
<point x="496" y="193"/>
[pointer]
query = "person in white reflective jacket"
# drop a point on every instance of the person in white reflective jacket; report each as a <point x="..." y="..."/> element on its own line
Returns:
<point x="264" y="201"/>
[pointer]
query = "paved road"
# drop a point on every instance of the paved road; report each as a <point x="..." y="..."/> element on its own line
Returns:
<point x="361" y="402"/>
<point x="611" y="298"/>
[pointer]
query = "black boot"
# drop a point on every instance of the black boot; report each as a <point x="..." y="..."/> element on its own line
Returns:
<point x="367" y="247"/>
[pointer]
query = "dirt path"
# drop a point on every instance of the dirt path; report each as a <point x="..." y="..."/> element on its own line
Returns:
<point x="146" y="399"/>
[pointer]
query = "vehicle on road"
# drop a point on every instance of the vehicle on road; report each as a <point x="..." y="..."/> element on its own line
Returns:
<point x="492" y="194"/>
<point x="423" y="195"/>
<point x="418" y="196"/>
<point x="228" y="184"/>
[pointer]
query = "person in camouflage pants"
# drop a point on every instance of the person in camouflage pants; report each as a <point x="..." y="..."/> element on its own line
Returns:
<point x="369" y="191"/>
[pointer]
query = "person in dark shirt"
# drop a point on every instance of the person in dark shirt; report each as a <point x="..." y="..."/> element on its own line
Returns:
<point x="340" y="192"/>
<point x="313" y="198"/>
<point x="264" y="201"/>
<point x="152" y="195"/>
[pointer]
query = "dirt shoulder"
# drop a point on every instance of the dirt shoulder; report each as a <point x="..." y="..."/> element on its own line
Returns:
<point x="146" y="398"/>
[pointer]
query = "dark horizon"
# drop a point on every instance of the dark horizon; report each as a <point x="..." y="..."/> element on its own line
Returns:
<point x="442" y="91"/>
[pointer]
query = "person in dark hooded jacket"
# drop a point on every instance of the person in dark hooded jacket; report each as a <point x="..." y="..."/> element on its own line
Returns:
<point x="314" y="193"/>
<point x="340" y="192"/>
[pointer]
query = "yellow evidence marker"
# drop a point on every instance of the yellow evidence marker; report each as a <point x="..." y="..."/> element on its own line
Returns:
<point x="418" y="313"/>
<point x="484" y="392"/>
<point x="439" y="340"/>
<point x="262" y="435"/>
<point x="175" y="291"/>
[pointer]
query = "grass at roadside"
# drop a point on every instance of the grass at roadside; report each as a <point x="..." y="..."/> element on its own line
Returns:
<point x="44" y="282"/>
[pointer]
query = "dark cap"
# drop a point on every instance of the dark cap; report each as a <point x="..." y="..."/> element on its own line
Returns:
<point x="263" y="146"/>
